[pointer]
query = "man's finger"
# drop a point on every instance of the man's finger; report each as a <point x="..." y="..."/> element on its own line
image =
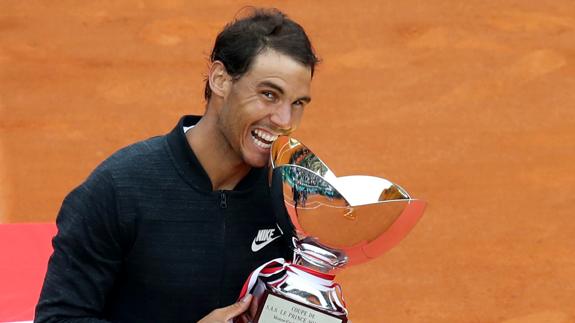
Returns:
<point x="226" y="314"/>
<point x="237" y="308"/>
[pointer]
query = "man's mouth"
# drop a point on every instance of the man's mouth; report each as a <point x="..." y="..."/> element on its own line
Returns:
<point x="263" y="139"/>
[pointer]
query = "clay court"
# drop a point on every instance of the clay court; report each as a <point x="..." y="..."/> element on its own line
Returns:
<point x="467" y="104"/>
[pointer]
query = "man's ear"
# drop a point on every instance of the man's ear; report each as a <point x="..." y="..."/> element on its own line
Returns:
<point x="219" y="79"/>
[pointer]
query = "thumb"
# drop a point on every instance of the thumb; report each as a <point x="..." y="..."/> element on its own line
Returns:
<point x="237" y="308"/>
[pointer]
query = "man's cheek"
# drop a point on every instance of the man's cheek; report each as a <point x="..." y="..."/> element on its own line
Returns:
<point x="297" y="119"/>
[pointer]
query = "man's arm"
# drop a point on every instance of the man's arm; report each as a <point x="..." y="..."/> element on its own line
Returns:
<point x="88" y="252"/>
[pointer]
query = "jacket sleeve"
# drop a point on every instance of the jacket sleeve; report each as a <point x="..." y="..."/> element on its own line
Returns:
<point x="87" y="257"/>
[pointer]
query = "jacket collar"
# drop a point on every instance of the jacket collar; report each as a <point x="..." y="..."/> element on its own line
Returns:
<point x="189" y="166"/>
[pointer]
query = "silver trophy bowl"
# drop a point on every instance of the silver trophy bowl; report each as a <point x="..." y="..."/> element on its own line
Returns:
<point x="336" y="221"/>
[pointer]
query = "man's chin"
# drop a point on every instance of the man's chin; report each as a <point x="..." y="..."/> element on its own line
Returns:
<point x="258" y="165"/>
<point x="257" y="162"/>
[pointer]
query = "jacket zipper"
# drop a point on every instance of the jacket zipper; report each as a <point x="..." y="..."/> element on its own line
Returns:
<point x="223" y="205"/>
<point x="223" y="200"/>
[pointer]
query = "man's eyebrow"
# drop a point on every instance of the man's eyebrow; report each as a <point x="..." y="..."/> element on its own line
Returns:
<point x="307" y="99"/>
<point x="273" y="86"/>
<point x="278" y="88"/>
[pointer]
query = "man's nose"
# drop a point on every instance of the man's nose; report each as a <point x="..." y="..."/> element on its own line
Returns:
<point x="282" y="116"/>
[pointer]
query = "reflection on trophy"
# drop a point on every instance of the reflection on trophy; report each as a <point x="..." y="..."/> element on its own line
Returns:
<point x="333" y="222"/>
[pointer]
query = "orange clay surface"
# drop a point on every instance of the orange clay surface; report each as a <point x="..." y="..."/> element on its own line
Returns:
<point x="469" y="105"/>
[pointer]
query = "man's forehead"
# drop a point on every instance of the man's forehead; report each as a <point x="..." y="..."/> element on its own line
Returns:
<point x="281" y="70"/>
<point x="272" y="62"/>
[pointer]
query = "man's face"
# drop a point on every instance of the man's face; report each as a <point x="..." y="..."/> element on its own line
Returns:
<point x="265" y="102"/>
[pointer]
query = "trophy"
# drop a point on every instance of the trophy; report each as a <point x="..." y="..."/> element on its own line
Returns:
<point x="332" y="222"/>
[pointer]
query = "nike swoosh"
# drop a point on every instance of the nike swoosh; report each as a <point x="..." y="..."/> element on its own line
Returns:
<point x="257" y="247"/>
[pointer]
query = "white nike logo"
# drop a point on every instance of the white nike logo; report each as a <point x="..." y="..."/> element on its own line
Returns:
<point x="263" y="238"/>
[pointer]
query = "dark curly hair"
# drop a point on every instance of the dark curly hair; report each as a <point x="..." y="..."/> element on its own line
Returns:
<point x="244" y="38"/>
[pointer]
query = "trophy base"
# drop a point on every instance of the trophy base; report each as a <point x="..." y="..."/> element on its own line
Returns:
<point x="284" y="292"/>
<point x="270" y="307"/>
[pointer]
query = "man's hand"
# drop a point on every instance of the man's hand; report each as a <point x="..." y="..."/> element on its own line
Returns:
<point x="226" y="314"/>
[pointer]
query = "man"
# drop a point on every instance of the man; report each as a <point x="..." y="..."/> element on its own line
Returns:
<point x="167" y="230"/>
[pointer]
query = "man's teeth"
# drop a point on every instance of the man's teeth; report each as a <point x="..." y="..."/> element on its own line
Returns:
<point x="261" y="144"/>
<point x="259" y="136"/>
<point x="265" y="135"/>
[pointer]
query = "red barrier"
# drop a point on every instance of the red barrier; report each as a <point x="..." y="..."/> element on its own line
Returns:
<point x="24" y="252"/>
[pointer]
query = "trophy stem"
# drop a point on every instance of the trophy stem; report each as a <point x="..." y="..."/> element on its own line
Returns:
<point x="310" y="253"/>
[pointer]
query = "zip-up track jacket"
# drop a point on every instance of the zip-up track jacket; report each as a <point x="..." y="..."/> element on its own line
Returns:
<point x="145" y="239"/>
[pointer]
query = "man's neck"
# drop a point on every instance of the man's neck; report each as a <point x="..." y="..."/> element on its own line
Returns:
<point x="218" y="159"/>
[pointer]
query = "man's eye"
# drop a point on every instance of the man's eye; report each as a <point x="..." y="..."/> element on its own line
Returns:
<point x="270" y="96"/>
<point x="299" y="104"/>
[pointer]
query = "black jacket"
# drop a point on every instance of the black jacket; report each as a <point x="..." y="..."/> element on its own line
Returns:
<point x="145" y="239"/>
